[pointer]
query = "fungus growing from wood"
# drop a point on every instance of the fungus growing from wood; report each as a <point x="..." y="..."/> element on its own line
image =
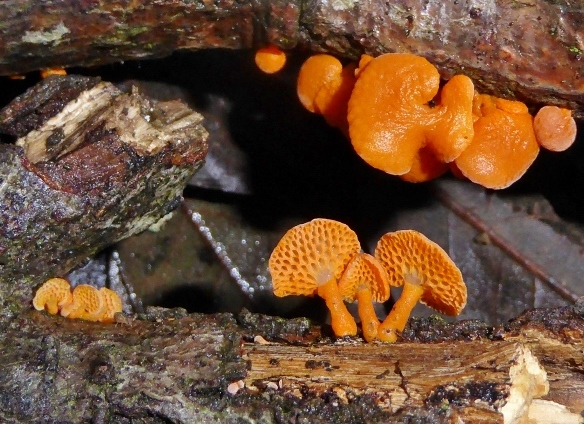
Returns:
<point x="270" y="59"/>
<point x="554" y="127"/>
<point x="112" y="303"/>
<point x="365" y="280"/>
<point x="309" y="259"/>
<point x="53" y="295"/>
<point x="425" y="167"/>
<point x="427" y="274"/>
<point x="332" y="100"/>
<point x="87" y="304"/>
<point x="392" y="114"/>
<point x="314" y="74"/>
<point x="504" y="144"/>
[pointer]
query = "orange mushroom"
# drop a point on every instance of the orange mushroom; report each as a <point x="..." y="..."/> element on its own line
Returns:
<point x="365" y="280"/>
<point x="425" y="167"/>
<point x="554" y="127"/>
<point x="332" y="100"/>
<point x="504" y="144"/>
<point x="47" y="72"/>
<point x="324" y="87"/>
<point x="309" y="259"/>
<point x="427" y="274"/>
<point x="391" y="113"/>
<point x="270" y="59"/>
<point x="87" y="304"/>
<point x="53" y="295"/>
<point x="112" y="304"/>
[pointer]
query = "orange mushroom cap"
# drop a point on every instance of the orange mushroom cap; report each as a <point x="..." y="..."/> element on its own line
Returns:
<point x="52" y="295"/>
<point x="87" y="304"/>
<point x="390" y="117"/>
<point x="554" y="127"/>
<point x="332" y="100"/>
<point x="365" y="280"/>
<point x="425" y="167"/>
<point x="504" y="144"/>
<point x="315" y="73"/>
<point x="112" y="304"/>
<point x="309" y="259"/>
<point x="270" y="59"/>
<point x="427" y="273"/>
<point x="47" y="72"/>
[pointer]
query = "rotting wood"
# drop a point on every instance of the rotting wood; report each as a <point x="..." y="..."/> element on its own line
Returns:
<point x="530" y="51"/>
<point x="475" y="373"/>
<point x="179" y="368"/>
<point x="91" y="165"/>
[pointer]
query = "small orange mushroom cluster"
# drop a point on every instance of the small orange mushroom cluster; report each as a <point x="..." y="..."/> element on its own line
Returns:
<point x="84" y="302"/>
<point x="324" y="257"/>
<point x="402" y="121"/>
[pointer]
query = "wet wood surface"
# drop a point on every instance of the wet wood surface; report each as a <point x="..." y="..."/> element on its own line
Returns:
<point x="530" y="51"/>
<point x="190" y="367"/>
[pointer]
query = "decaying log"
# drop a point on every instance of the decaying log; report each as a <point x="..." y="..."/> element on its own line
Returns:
<point x="91" y="165"/>
<point x="167" y="366"/>
<point x="527" y="50"/>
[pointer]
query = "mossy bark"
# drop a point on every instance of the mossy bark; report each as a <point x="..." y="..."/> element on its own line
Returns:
<point x="166" y="366"/>
<point x="528" y="51"/>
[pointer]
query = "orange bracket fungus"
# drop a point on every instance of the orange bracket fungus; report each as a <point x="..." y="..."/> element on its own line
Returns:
<point x="504" y="144"/>
<point x="111" y="305"/>
<point x="554" y="127"/>
<point x="392" y="115"/>
<point x="270" y="59"/>
<point x="310" y="259"/>
<point x="427" y="274"/>
<point x="87" y="304"/>
<point x="52" y="295"/>
<point x="366" y="281"/>
<point x="324" y="87"/>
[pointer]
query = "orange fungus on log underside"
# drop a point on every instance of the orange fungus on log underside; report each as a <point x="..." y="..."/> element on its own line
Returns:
<point x="270" y="59"/>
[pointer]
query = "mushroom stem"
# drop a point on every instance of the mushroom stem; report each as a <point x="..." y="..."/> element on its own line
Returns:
<point x="369" y="321"/>
<point x="342" y="321"/>
<point x="399" y="314"/>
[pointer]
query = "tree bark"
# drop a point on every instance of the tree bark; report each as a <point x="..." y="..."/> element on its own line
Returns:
<point x="530" y="51"/>
<point x="167" y="366"/>
<point x="91" y="166"/>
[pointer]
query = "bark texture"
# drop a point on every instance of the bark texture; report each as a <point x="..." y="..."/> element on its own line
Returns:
<point x="531" y="51"/>
<point x="91" y="166"/>
<point x="167" y="366"/>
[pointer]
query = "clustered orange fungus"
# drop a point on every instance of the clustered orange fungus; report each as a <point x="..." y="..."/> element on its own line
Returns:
<point x="401" y="120"/>
<point x="324" y="257"/>
<point x="270" y="59"/>
<point x="84" y="302"/>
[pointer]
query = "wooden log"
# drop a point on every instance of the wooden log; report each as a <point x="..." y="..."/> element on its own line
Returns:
<point x="91" y="165"/>
<point x="529" y="51"/>
<point x="167" y="366"/>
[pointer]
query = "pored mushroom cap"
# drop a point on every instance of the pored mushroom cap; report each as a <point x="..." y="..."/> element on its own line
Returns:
<point x="409" y="255"/>
<point x="315" y="73"/>
<point x="390" y="117"/>
<point x="270" y="59"/>
<point x="54" y="293"/>
<point x="311" y="254"/>
<point x="503" y="146"/>
<point x="87" y="303"/>
<point x="364" y="271"/>
<point x="554" y="127"/>
<point x="112" y="304"/>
